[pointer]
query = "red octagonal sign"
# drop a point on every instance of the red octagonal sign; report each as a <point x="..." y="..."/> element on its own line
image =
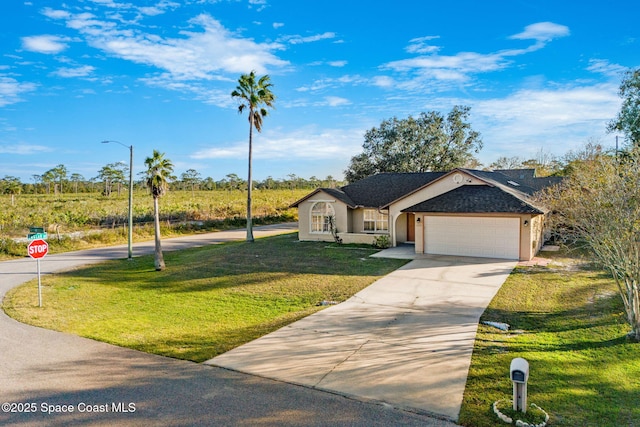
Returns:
<point x="37" y="248"/>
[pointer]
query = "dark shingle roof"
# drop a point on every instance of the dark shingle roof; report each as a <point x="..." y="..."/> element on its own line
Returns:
<point x="506" y="191"/>
<point x="528" y="180"/>
<point x="340" y="195"/>
<point x="381" y="189"/>
<point x="475" y="199"/>
<point x="333" y="192"/>
<point x="521" y="174"/>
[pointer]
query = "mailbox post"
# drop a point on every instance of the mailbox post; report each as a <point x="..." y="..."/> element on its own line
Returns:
<point x="519" y="373"/>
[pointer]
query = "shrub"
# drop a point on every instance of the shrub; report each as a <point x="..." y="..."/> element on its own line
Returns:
<point x="381" y="242"/>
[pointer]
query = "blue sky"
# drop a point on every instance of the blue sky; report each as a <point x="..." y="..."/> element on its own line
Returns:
<point x="538" y="75"/>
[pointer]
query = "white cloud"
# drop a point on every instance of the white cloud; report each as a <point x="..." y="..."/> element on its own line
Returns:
<point x="81" y="71"/>
<point x="421" y="71"/>
<point x="160" y="8"/>
<point x="47" y="44"/>
<point x="199" y="91"/>
<point x="11" y="89"/>
<point x="112" y="4"/>
<point x="419" y="45"/>
<point x="604" y="67"/>
<point x="556" y="119"/>
<point x="305" y="144"/>
<point x="338" y="64"/>
<point x="23" y="149"/>
<point x="383" y="81"/>
<point x="322" y="84"/>
<point x="310" y="39"/>
<point x="151" y="11"/>
<point x="335" y="101"/>
<point x="195" y="55"/>
<point x="277" y="25"/>
<point x="262" y="4"/>
<point x="55" y="14"/>
<point x="542" y="32"/>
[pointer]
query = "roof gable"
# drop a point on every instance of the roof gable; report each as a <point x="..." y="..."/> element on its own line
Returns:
<point x="381" y="189"/>
<point x="333" y="192"/>
<point x="475" y="199"/>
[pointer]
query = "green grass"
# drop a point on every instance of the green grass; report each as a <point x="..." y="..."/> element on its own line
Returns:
<point x="208" y="300"/>
<point x="567" y="320"/>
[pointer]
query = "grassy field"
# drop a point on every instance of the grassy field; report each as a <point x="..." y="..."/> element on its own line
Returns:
<point x="208" y="301"/>
<point x="567" y="320"/>
<point x="101" y="220"/>
<point x="72" y="212"/>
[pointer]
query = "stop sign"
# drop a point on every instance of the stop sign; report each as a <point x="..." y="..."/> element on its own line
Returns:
<point x="37" y="248"/>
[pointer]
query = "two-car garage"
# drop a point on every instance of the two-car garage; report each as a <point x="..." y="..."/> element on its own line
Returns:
<point x="489" y="237"/>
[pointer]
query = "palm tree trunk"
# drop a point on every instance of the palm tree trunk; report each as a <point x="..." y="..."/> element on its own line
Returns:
<point x="250" y="182"/>
<point x="159" y="259"/>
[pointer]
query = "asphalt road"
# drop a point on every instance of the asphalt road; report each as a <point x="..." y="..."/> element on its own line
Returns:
<point x="49" y="378"/>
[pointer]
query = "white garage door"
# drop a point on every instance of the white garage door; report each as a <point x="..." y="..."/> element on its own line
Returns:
<point x="468" y="236"/>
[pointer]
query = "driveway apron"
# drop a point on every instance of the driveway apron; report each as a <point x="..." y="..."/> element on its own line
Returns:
<point x="406" y="340"/>
<point x="48" y="378"/>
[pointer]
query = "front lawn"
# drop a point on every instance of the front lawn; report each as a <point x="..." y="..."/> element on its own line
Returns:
<point x="208" y="300"/>
<point x="568" y="321"/>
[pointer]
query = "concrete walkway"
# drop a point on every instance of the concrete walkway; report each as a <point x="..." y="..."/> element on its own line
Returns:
<point x="53" y="379"/>
<point x="406" y="340"/>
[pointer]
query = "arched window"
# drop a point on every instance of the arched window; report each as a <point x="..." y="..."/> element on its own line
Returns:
<point x="321" y="212"/>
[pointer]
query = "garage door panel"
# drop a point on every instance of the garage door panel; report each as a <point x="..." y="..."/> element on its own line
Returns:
<point x="473" y="236"/>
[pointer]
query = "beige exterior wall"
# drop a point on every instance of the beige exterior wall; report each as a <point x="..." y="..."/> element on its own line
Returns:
<point x="361" y="238"/>
<point x="537" y="233"/>
<point x="400" y="228"/>
<point x="397" y="228"/>
<point x="349" y="222"/>
<point x="304" y="217"/>
<point x="357" y="222"/>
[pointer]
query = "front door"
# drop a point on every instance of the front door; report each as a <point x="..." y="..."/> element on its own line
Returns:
<point x="411" y="227"/>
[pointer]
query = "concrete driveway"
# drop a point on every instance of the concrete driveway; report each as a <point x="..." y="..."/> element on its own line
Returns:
<point x="48" y="378"/>
<point x="406" y="340"/>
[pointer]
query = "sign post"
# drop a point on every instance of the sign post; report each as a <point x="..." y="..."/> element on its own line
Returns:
<point x="37" y="249"/>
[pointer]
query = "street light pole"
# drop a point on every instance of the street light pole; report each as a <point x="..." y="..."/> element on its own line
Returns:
<point x="130" y="231"/>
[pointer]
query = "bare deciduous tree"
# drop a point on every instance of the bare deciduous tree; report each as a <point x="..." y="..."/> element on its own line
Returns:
<point x="600" y="202"/>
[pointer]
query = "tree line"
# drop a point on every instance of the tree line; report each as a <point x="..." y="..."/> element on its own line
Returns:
<point x="113" y="178"/>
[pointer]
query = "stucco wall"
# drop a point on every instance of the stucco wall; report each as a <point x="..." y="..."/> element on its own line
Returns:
<point x="357" y="218"/>
<point x="531" y="236"/>
<point x="401" y="228"/>
<point x="435" y="188"/>
<point x="361" y="238"/>
<point x="304" y="217"/>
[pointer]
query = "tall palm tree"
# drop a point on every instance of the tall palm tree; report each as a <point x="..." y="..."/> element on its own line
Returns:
<point x="255" y="95"/>
<point x="158" y="174"/>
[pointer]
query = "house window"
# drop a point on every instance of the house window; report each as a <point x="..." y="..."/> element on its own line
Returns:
<point x="375" y="220"/>
<point x="321" y="213"/>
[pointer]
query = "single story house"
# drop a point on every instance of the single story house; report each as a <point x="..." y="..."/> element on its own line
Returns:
<point x="461" y="212"/>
